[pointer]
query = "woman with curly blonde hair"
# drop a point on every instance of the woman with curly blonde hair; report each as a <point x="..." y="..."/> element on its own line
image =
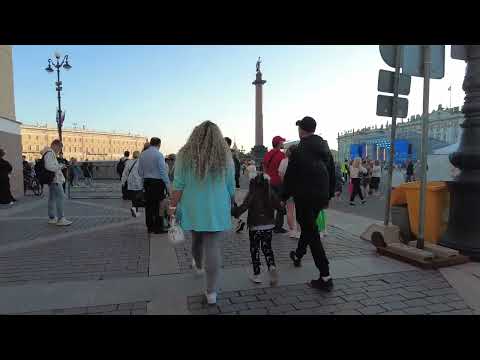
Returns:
<point x="204" y="189"/>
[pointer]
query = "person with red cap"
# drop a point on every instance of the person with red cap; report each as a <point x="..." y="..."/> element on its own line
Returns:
<point x="271" y="162"/>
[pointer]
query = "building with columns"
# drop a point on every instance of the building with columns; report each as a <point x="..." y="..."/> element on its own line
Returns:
<point x="10" y="140"/>
<point x="81" y="144"/>
<point x="374" y="142"/>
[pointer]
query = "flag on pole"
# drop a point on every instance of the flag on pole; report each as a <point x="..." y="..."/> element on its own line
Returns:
<point x="62" y="119"/>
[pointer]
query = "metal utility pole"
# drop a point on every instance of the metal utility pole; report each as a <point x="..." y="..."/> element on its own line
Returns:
<point x="424" y="149"/>
<point x="463" y="224"/>
<point x="398" y="59"/>
<point x="450" y="91"/>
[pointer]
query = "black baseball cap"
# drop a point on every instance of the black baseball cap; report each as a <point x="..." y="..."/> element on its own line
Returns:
<point x="307" y="123"/>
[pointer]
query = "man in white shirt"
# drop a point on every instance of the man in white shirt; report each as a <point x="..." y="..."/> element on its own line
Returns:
<point x="152" y="169"/>
<point x="56" y="195"/>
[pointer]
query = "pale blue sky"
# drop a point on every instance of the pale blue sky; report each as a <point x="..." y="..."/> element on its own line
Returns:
<point x="166" y="90"/>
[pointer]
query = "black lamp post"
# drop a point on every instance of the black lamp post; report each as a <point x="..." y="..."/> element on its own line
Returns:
<point x="57" y="64"/>
<point x="463" y="232"/>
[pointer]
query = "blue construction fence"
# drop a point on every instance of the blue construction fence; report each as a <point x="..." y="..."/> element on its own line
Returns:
<point x="381" y="151"/>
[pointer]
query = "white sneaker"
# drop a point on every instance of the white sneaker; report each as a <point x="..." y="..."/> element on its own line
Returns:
<point x="53" y="221"/>
<point x="292" y="234"/>
<point x="273" y="275"/>
<point x="64" y="222"/>
<point x="197" y="271"/>
<point x="211" y="298"/>
<point x="256" y="279"/>
<point x="297" y="234"/>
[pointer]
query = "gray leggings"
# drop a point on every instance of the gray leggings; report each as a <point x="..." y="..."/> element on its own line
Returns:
<point x="210" y="244"/>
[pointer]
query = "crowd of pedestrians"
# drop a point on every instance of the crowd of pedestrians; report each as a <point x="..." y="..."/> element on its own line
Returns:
<point x="198" y="186"/>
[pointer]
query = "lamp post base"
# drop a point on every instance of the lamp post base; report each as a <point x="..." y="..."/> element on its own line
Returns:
<point x="463" y="232"/>
<point x="258" y="152"/>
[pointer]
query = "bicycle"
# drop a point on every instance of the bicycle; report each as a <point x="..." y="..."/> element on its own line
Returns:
<point x="32" y="183"/>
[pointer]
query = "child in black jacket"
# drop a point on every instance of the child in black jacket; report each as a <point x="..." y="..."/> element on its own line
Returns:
<point x="260" y="203"/>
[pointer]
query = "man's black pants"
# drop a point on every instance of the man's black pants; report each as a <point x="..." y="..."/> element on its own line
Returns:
<point x="307" y="212"/>
<point x="154" y="193"/>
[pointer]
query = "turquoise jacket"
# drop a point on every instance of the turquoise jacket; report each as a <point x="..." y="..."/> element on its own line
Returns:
<point x="204" y="205"/>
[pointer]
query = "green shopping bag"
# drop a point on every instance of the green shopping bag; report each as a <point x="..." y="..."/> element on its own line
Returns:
<point x="322" y="221"/>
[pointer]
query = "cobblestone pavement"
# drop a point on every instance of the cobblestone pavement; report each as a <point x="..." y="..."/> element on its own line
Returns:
<point x="27" y="228"/>
<point x="236" y="250"/>
<point x="374" y="208"/>
<point x="115" y="251"/>
<point x="100" y="246"/>
<point x="118" y="252"/>
<point x="402" y="293"/>
<point x="136" y="308"/>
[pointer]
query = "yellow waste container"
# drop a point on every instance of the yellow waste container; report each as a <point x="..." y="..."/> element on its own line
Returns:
<point x="398" y="197"/>
<point x="436" y="207"/>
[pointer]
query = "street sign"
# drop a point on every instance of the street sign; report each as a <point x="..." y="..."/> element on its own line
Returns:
<point x="386" y="82"/>
<point x="388" y="54"/>
<point x="458" y="52"/>
<point x="412" y="62"/>
<point x="385" y="106"/>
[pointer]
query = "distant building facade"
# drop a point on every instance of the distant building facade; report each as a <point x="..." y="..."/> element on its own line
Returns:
<point x="79" y="143"/>
<point x="374" y="142"/>
<point x="10" y="140"/>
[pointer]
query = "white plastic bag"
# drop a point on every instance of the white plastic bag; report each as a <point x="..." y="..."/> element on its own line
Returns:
<point x="175" y="233"/>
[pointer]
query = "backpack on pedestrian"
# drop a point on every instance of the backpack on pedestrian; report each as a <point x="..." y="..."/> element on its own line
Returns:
<point x="45" y="177"/>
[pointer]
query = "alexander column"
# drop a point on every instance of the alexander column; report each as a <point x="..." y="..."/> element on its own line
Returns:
<point x="259" y="150"/>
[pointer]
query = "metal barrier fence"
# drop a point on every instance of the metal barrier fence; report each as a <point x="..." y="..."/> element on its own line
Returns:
<point x="104" y="184"/>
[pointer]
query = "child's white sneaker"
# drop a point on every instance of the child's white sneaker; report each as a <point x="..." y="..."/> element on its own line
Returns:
<point x="53" y="221"/>
<point x="211" y="298"/>
<point x="256" y="279"/>
<point x="273" y="275"/>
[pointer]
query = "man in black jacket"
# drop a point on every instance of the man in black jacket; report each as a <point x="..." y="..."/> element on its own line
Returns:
<point x="310" y="179"/>
<point x="241" y="224"/>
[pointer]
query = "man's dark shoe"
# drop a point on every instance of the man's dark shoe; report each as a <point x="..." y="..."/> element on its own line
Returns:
<point x="297" y="262"/>
<point x="280" y="231"/>
<point x="321" y="284"/>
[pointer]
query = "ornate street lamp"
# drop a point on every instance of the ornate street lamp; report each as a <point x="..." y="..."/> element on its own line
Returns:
<point x="463" y="232"/>
<point x="57" y="64"/>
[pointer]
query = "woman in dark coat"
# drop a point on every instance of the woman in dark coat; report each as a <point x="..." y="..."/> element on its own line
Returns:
<point x="5" y="170"/>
